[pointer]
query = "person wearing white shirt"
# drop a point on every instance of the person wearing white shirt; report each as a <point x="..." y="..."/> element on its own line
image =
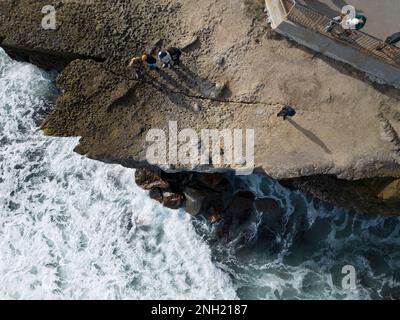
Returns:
<point x="165" y="58"/>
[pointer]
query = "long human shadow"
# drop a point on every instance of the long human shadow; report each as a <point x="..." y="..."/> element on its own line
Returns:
<point x="183" y="80"/>
<point x="175" y="84"/>
<point x="162" y="86"/>
<point x="311" y="136"/>
<point x="187" y="76"/>
<point x="196" y="83"/>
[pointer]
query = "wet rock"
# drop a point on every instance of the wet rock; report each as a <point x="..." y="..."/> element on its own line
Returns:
<point x="148" y="179"/>
<point x="172" y="200"/>
<point x="214" y="181"/>
<point x="231" y="218"/>
<point x="213" y="216"/>
<point x="364" y="195"/>
<point x="209" y="194"/>
<point x="167" y="198"/>
<point x="194" y="200"/>
<point x="272" y="215"/>
<point x="241" y="205"/>
<point x="156" y="195"/>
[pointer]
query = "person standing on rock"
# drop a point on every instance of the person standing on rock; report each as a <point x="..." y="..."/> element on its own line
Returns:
<point x="170" y="57"/>
<point x="287" y="111"/>
<point x="138" y="62"/>
<point x="150" y="61"/>
<point x="137" y="65"/>
<point x="165" y="59"/>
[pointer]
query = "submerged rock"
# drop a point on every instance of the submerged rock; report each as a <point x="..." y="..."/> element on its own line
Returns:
<point x="272" y="215"/>
<point x="241" y="205"/>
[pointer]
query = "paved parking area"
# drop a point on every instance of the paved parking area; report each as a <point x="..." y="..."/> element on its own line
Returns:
<point x="383" y="15"/>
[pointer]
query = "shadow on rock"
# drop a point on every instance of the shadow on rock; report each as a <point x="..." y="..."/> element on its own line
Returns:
<point x="311" y="136"/>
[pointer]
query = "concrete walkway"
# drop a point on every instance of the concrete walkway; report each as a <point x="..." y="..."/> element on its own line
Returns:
<point x="383" y="15"/>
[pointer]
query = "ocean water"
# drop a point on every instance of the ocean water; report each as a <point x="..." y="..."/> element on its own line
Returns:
<point x="73" y="228"/>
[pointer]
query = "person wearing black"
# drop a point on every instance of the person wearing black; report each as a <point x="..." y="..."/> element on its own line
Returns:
<point x="149" y="60"/>
<point x="287" y="111"/>
<point x="393" y="39"/>
<point x="176" y="54"/>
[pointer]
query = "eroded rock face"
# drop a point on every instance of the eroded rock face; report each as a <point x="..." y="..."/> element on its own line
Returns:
<point x="148" y="180"/>
<point x="379" y="195"/>
<point x="220" y="196"/>
<point x="196" y="193"/>
<point x="222" y="199"/>
<point x="391" y="193"/>
<point x="194" y="200"/>
<point x="213" y="195"/>
<point x="171" y="199"/>
<point x="345" y="127"/>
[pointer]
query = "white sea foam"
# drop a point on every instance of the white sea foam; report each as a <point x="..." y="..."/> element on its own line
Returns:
<point x="73" y="228"/>
<point x="315" y="241"/>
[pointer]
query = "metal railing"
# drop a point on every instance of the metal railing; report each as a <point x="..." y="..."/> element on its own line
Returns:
<point x="364" y="42"/>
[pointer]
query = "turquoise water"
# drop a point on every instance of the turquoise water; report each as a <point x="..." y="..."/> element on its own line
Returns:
<point x="305" y="256"/>
<point x="73" y="228"/>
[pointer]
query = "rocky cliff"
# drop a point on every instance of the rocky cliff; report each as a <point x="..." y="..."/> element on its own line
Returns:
<point x="343" y="145"/>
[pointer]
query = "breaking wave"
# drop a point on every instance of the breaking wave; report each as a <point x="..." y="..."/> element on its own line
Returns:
<point x="73" y="228"/>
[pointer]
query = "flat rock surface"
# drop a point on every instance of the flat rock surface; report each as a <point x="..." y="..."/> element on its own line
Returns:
<point x="345" y="125"/>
